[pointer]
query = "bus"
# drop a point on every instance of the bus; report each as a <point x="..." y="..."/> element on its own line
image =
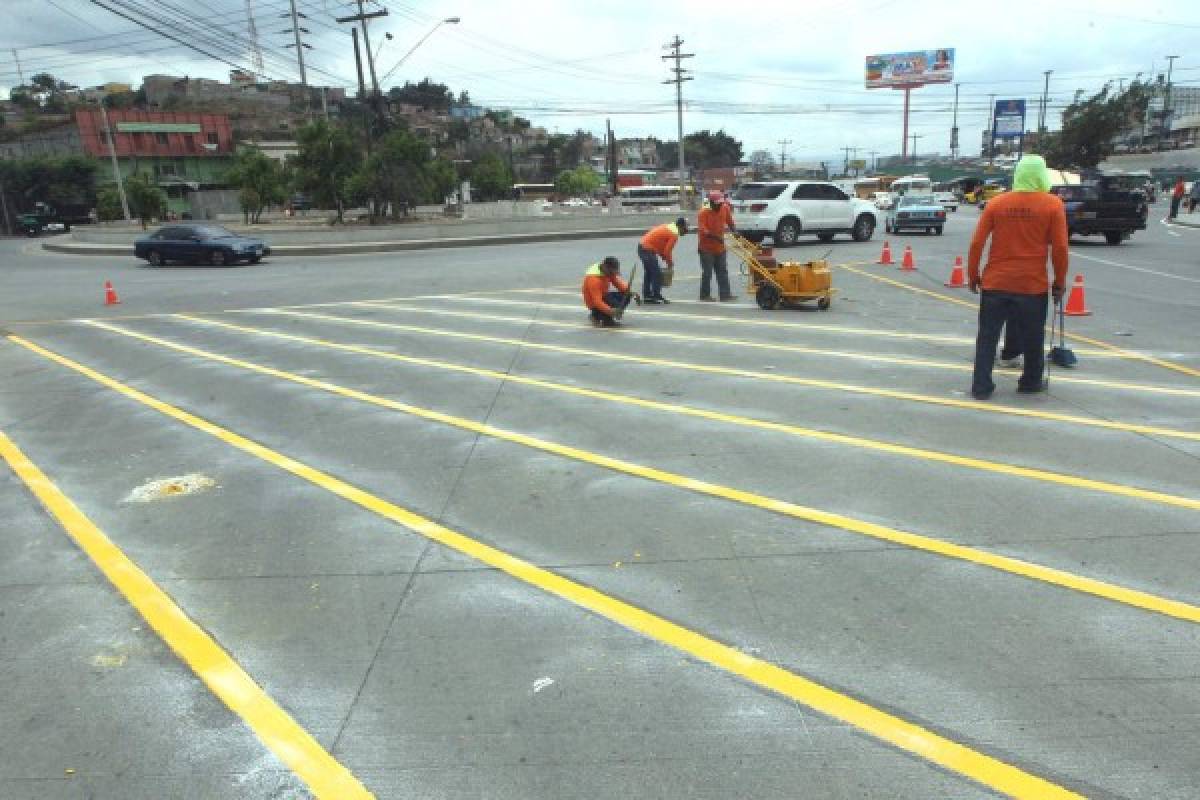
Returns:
<point x="532" y="191"/>
<point x="917" y="184"/>
<point x="651" y="195"/>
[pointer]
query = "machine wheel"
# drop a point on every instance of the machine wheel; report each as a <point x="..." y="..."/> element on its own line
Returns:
<point x="823" y="303"/>
<point x="155" y="258"/>
<point x="217" y="258"/>
<point x="864" y="228"/>
<point x="825" y="237"/>
<point x="768" y="297"/>
<point x="788" y="232"/>
<point x="1113" y="237"/>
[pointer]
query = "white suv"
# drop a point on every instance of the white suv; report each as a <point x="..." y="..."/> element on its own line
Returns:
<point x="784" y="210"/>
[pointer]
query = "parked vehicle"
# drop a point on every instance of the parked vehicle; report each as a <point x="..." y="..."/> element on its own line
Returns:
<point x="916" y="184"/>
<point x="917" y="212"/>
<point x="984" y="192"/>
<point x="199" y="244"/>
<point x="785" y="210"/>
<point x="1101" y="206"/>
<point x="948" y="200"/>
<point x="46" y="218"/>
<point x="883" y="200"/>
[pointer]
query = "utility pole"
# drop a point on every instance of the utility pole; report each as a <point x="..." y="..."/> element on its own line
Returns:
<point x="1045" y="108"/>
<point x="252" y="35"/>
<point x="914" y="137"/>
<point x="610" y="149"/>
<point x="954" y="127"/>
<point x="680" y="76"/>
<point x="362" y="89"/>
<point x="783" y="143"/>
<point x="112" y="153"/>
<point x="296" y="30"/>
<point x="1166" y="123"/>
<point x="361" y="17"/>
<point x="20" y="74"/>
<point x="874" y="160"/>
<point x="991" y="129"/>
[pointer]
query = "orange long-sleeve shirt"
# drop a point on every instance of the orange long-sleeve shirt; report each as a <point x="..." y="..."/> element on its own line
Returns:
<point x="595" y="285"/>
<point x="1022" y="226"/>
<point x="711" y="230"/>
<point x="661" y="239"/>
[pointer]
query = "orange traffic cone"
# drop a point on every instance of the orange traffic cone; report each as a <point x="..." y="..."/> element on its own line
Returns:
<point x="957" y="279"/>
<point x="110" y="294"/>
<point x="886" y="256"/>
<point x="1076" y="302"/>
<point x="907" y="263"/>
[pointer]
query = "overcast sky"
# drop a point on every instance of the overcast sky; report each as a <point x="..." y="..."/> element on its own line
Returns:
<point x="763" y="70"/>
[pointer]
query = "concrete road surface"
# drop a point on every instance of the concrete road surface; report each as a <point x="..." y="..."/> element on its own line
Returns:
<point x="407" y="526"/>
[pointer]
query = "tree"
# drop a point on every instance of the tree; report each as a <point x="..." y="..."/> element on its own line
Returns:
<point x="1092" y="125"/>
<point x="260" y="178"/>
<point x="147" y="202"/>
<point x="108" y="204"/>
<point x="577" y="182"/>
<point x="326" y="160"/>
<point x="426" y="94"/>
<point x="58" y="182"/>
<point x="490" y="178"/>
<point x="761" y="163"/>
<point x="702" y="150"/>
<point x="394" y="176"/>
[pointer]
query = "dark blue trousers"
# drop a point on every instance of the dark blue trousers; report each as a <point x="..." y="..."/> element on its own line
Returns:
<point x="1028" y="312"/>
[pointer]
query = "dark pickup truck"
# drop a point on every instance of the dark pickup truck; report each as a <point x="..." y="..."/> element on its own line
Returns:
<point x="1103" y="206"/>
<point x="49" y="218"/>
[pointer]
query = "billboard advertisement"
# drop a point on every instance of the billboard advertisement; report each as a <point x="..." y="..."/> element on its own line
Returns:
<point x="916" y="68"/>
<point x="1009" y="119"/>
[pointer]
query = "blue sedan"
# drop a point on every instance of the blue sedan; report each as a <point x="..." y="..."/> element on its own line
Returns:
<point x="199" y="244"/>
<point x="916" y="211"/>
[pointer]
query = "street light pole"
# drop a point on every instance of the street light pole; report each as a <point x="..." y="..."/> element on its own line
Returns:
<point x="421" y="41"/>
<point x="1166" y="123"/>
<point x="1045" y="109"/>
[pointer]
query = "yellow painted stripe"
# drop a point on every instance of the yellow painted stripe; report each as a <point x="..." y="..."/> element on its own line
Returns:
<point x="294" y="746"/>
<point x="816" y="383"/>
<point x="889" y="728"/>
<point x="1112" y="348"/>
<point x="734" y="419"/>
<point x="915" y="541"/>
<point x="798" y="327"/>
<point x="684" y="337"/>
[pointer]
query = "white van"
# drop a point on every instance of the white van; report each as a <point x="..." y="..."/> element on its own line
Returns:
<point x="916" y="184"/>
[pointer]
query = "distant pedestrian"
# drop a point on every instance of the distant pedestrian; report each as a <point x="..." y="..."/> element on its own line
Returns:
<point x="711" y="246"/>
<point x="1176" y="198"/>
<point x="1194" y="197"/>
<point x="1023" y="225"/>
<point x="659" y="241"/>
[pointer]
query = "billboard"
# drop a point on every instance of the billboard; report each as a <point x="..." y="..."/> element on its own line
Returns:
<point x="1009" y="119"/>
<point x="916" y="68"/>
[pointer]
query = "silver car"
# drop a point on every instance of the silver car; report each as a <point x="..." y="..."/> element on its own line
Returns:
<point x="916" y="212"/>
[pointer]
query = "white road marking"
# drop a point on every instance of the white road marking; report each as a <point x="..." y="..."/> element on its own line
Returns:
<point x="1077" y="254"/>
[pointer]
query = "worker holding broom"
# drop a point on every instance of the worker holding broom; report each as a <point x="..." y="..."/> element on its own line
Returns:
<point x="711" y="225"/>
<point x="1023" y="225"/>
<point x="605" y="294"/>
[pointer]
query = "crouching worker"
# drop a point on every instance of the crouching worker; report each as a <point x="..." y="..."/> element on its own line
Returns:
<point x="605" y="294"/>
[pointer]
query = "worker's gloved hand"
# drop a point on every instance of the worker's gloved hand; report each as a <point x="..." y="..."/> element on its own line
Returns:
<point x="635" y="297"/>
<point x="1058" y="292"/>
<point x="973" y="285"/>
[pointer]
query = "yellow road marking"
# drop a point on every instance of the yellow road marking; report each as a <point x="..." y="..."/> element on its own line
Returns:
<point x="294" y="746"/>
<point x="987" y="408"/>
<point x="796" y="326"/>
<point x="873" y="357"/>
<point x="898" y="732"/>
<point x="1014" y="566"/>
<point x="734" y="419"/>
<point x="1112" y="348"/>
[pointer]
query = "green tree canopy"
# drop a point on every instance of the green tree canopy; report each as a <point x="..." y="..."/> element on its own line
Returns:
<point x="147" y="202"/>
<point x="55" y="181"/>
<point x="261" y="179"/>
<point x="426" y="94"/>
<point x="703" y="150"/>
<point x="328" y="157"/>
<point x="577" y="182"/>
<point x="1092" y="125"/>
<point x="395" y="176"/>
<point x="490" y="177"/>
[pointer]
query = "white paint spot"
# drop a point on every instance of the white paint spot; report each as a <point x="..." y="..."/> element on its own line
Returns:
<point x="170" y="487"/>
<point x="542" y="683"/>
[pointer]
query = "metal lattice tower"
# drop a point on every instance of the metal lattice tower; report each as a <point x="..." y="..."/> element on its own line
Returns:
<point x="252" y="31"/>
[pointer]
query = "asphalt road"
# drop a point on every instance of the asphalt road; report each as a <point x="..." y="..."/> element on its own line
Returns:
<point x="423" y="532"/>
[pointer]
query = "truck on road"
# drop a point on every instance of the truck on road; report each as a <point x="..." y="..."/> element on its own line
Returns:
<point x="1103" y="206"/>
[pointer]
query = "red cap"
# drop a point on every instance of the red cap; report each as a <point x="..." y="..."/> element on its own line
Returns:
<point x="715" y="197"/>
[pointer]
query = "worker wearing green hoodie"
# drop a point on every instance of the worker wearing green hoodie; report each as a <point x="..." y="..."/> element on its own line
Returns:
<point x="1024" y="225"/>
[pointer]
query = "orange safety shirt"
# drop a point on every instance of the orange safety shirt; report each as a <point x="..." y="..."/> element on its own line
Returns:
<point x="1023" y="226"/>
<point x="711" y="225"/>
<point x="595" y="285"/>
<point x="661" y="239"/>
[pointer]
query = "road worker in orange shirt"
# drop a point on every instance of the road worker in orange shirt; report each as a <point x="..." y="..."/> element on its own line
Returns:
<point x="605" y="294"/>
<point x="658" y="241"/>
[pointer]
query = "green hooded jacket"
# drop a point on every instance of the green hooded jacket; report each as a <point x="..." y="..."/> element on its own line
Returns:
<point x="1031" y="175"/>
